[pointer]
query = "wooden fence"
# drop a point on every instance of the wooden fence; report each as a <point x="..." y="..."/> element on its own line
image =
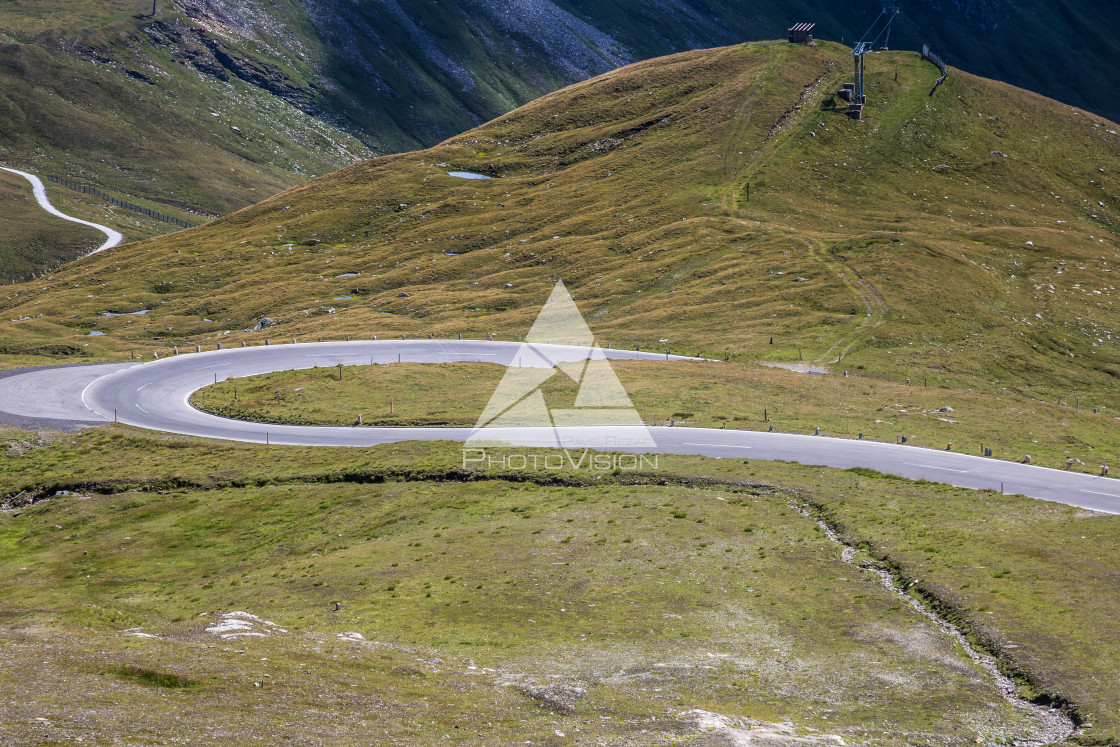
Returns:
<point x="928" y="55"/>
<point x="120" y="203"/>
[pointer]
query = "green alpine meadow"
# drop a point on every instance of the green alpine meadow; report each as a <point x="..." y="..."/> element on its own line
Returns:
<point x="873" y="351"/>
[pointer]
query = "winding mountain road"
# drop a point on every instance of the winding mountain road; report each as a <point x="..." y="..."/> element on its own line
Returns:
<point x="112" y="238"/>
<point x="156" y="395"/>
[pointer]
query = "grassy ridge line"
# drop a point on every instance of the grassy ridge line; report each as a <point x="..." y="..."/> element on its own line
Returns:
<point x="413" y="88"/>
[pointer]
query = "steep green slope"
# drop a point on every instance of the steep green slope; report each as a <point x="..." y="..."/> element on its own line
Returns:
<point x="125" y="106"/>
<point x="969" y="237"/>
<point x="208" y="107"/>
<point x="43" y="238"/>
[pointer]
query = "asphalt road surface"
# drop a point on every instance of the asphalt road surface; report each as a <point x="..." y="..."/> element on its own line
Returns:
<point x="156" y="394"/>
<point x="112" y="238"/>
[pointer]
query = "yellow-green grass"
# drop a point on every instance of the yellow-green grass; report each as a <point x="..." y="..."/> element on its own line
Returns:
<point x="35" y="16"/>
<point x="526" y="583"/>
<point x="710" y="395"/>
<point x="175" y="527"/>
<point x="669" y="246"/>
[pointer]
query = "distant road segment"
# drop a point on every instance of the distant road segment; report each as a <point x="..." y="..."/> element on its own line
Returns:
<point x="112" y="238"/>
<point x="156" y="395"/>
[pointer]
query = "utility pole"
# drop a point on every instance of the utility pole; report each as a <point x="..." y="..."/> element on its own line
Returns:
<point x="859" y="52"/>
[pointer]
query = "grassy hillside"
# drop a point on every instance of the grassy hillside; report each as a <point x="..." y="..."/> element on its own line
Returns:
<point x="968" y="238"/>
<point x="42" y="237"/>
<point x="142" y="108"/>
<point x="482" y="600"/>
<point x="208" y="107"/>
<point x="960" y="239"/>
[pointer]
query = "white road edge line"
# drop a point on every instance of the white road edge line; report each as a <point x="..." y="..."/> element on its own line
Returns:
<point x="86" y="404"/>
<point x="930" y="466"/>
<point x="112" y="237"/>
<point x="714" y="446"/>
<point x="192" y="427"/>
<point x="1094" y="492"/>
